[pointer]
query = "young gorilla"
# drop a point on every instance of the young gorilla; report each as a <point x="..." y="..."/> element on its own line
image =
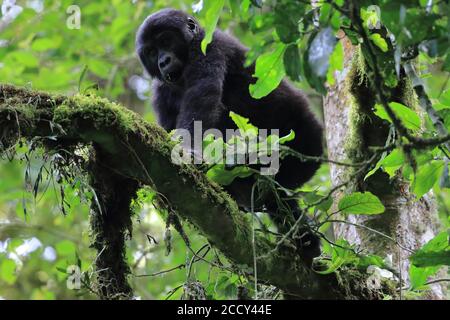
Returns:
<point x="190" y="86"/>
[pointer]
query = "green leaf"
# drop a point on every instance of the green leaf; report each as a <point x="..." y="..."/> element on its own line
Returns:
<point x="445" y="98"/>
<point x="310" y="197"/>
<point x="381" y="113"/>
<point x="224" y="177"/>
<point x="446" y="65"/>
<point x="270" y="71"/>
<point x="234" y="6"/>
<point x="419" y="276"/>
<point x="361" y="203"/>
<point x="243" y="124"/>
<point x="24" y="58"/>
<point x="427" y="176"/>
<point x="45" y="44"/>
<point x="80" y="80"/>
<point x="212" y="10"/>
<point x="433" y="259"/>
<point x="370" y="260"/>
<point x="100" y="68"/>
<point x="325" y="11"/>
<point x="435" y="252"/>
<point x="390" y="164"/>
<point x="287" y="138"/>
<point x="429" y="259"/>
<point x="8" y="271"/>
<point x="336" y="62"/>
<point x="407" y="116"/>
<point x="445" y="116"/>
<point x="292" y="62"/>
<point x="379" y="41"/>
<point x="336" y="20"/>
<point x="245" y="6"/>
<point x="274" y="140"/>
<point x="409" y="25"/>
<point x="287" y="15"/>
<point x="65" y="248"/>
<point x="213" y="149"/>
<point x="341" y="254"/>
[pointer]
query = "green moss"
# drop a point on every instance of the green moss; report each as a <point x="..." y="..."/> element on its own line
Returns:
<point x="108" y="123"/>
<point x="357" y="85"/>
<point x="354" y="142"/>
<point x="409" y="98"/>
<point x="354" y="281"/>
<point x="102" y="111"/>
<point x="365" y="128"/>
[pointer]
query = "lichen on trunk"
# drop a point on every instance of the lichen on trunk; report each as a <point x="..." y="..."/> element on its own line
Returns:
<point x="111" y="225"/>
<point x="352" y="129"/>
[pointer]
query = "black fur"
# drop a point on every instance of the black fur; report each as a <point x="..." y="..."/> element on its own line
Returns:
<point x="211" y="85"/>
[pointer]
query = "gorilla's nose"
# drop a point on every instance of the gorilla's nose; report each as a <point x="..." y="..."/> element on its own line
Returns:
<point x="164" y="62"/>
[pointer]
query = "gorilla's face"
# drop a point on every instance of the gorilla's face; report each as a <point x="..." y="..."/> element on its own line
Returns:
<point x="165" y="55"/>
<point x="163" y="43"/>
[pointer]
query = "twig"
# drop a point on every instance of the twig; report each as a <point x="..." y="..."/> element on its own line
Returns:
<point x="306" y="158"/>
<point x="437" y="281"/>
<point x="181" y="266"/>
<point x="372" y="230"/>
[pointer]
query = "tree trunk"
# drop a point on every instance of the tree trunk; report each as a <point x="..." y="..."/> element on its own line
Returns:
<point x="351" y="128"/>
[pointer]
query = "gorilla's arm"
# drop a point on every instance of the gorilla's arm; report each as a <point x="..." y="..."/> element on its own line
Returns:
<point x="203" y="95"/>
<point x="166" y="105"/>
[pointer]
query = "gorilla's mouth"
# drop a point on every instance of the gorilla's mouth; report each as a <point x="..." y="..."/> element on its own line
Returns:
<point x="173" y="77"/>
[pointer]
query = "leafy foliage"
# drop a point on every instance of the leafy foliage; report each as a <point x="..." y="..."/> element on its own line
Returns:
<point x="428" y="260"/>
<point x="436" y="252"/>
<point x="409" y="117"/>
<point x="361" y="203"/>
<point x="212" y="9"/>
<point x="269" y="71"/>
<point x="243" y="144"/>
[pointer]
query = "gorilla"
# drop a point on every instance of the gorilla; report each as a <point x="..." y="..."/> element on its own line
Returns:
<point x="189" y="86"/>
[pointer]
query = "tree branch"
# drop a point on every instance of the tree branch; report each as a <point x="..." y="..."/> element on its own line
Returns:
<point x="141" y="152"/>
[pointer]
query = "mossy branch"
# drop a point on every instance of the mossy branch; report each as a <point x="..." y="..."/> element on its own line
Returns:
<point x="137" y="153"/>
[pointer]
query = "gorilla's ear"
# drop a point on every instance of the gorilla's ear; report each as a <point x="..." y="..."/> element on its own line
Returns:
<point x="192" y="25"/>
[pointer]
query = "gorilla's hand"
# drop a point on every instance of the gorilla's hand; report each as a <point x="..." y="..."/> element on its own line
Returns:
<point x="202" y="99"/>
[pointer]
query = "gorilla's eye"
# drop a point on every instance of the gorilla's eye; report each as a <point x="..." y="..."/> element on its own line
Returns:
<point x="152" y="52"/>
<point x="191" y="24"/>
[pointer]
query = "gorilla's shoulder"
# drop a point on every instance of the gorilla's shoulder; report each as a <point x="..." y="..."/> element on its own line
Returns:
<point x="227" y="43"/>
